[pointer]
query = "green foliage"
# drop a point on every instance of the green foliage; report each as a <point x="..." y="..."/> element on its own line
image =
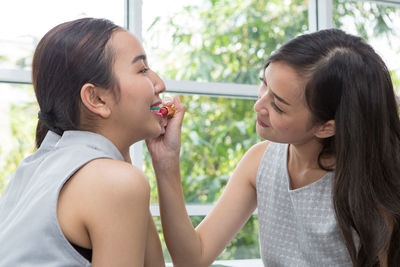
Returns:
<point x="23" y="124"/>
<point x="243" y="246"/>
<point x="229" y="40"/>
<point x="219" y="41"/>
<point x="213" y="148"/>
<point x="371" y="20"/>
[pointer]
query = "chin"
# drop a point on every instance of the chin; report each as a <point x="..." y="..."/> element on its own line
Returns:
<point x="268" y="136"/>
<point x="157" y="132"/>
<point x="261" y="133"/>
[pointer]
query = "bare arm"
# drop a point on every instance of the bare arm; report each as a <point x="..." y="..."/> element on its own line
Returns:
<point x="118" y="219"/>
<point x="105" y="206"/>
<point x="201" y="246"/>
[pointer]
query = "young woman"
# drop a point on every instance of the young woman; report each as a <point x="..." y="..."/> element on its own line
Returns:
<point x="327" y="181"/>
<point x="78" y="199"/>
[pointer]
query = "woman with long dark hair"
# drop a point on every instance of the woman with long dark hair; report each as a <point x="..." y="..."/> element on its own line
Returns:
<point x="327" y="181"/>
<point x="78" y="199"/>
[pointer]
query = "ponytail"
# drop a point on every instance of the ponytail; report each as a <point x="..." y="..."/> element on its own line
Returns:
<point x="45" y="123"/>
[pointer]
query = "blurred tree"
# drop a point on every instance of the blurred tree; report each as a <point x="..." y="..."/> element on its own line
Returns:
<point x="23" y="125"/>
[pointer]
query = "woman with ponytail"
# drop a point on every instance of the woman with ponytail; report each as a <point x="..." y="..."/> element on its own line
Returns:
<point x="78" y="200"/>
<point x="327" y="180"/>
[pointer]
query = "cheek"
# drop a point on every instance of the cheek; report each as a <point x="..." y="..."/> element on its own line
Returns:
<point x="278" y="122"/>
<point x="287" y="126"/>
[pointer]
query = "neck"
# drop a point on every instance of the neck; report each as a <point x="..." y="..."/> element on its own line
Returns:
<point x="112" y="133"/>
<point x="304" y="156"/>
<point x="120" y="143"/>
<point x="303" y="165"/>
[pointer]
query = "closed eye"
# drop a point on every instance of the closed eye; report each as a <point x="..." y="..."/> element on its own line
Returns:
<point x="274" y="106"/>
<point x="262" y="80"/>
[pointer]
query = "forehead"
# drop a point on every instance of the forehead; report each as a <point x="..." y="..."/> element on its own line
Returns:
<point x="284" y="81"/>
<point x="125" y="44"/>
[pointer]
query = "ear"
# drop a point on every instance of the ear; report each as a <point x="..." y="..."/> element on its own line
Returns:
<point x="326" y="130"/>
<point x="96" y="99"/>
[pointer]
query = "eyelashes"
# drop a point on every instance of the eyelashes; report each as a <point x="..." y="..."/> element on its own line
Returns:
<point x="274" y="106"/>
<point x="262" y="80"/>
<point x="144" y="70"/>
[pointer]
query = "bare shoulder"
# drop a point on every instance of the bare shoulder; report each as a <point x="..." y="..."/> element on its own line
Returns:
<point x="256" y="152"/>
<point x="105" y="184"/>
<point x="109" y="174"/>
<point x="251" y="161"/>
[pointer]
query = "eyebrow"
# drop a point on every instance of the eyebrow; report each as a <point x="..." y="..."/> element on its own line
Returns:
<point x="275" y="95"/>
<point x="140" y="57"/>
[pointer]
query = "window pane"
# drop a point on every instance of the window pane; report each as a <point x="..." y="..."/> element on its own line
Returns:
<point x="218" y="41"/>
<point x="215" y="135"/>
<point x="18" y="118"/>
<point x="379" y="24"/>
<point x="24" y="22"/>
<point x="245" y="245"/>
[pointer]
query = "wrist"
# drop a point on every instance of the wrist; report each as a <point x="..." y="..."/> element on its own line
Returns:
<point x="166" y="169"/>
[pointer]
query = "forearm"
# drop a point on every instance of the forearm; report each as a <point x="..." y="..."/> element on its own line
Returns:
<point x="183" y="242"/>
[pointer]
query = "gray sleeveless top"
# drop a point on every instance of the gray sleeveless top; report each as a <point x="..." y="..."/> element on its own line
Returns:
<point x="29" y="231"/>
<point x="296" y="227"/>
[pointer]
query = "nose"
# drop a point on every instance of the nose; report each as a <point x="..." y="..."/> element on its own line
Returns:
<point x="159" y="85"/>
<point x="261" y="104"/>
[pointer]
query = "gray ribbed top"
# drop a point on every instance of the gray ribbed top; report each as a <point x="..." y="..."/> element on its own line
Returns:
<point x="29" y="231"/>
<point x="297" y="227"/>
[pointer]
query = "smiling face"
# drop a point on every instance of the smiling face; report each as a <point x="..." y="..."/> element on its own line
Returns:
<point x="282" y="113"/>
<point x="139" y="89"/>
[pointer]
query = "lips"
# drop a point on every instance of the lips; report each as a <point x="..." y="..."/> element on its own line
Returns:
<point x="154" y="108"/>
<point x="156" y="104"/>
<point x="261" y="123"/>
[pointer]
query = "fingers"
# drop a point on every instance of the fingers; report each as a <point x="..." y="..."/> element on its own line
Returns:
<point x="180" y="108"/>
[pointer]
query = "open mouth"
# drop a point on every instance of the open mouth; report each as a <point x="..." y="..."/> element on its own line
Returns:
<point x="160" y="110"/>
<point x="156" y="110"/>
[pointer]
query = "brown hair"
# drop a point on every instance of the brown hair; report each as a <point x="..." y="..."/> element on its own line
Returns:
<point x="68" y="56"/>
<point x="348" y="82"/>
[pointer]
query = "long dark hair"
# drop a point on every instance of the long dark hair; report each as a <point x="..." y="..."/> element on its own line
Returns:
<point x="348" y="82"/>
<point x="68" y="56"/>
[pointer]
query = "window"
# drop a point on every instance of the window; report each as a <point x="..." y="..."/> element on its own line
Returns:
<point x="210" y="52"/>
<point x="25" y="22"/>
<point x="213" y="51"/>
<point x="18" y="38"/>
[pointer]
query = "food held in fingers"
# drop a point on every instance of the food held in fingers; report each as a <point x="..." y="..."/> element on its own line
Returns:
<point x="164" y="110"/>
<point x="168" y="110"/>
